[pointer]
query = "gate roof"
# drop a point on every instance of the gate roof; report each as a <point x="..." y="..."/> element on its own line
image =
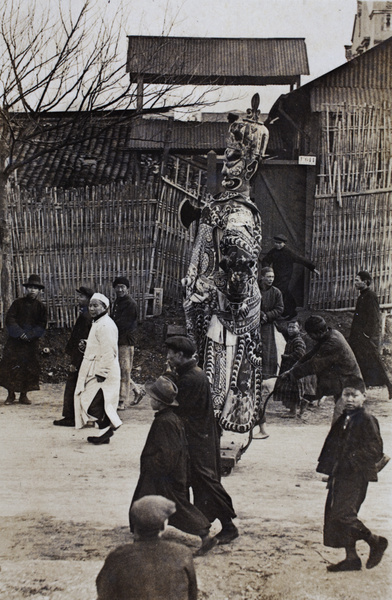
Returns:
<point x="217" y="61"/>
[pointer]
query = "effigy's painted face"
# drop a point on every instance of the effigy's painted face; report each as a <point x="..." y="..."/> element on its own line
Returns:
<point x="233" y="169"/>
<point x="237" y="170"/>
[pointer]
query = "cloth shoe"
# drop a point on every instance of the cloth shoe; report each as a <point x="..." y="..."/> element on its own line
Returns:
<point x="10" y="399"/>
<point x="139" y="395"/>
<point x="208" y="544"/>
<point x="65" y="422"/>
<point x="101" y="439"/>
<point x="354" y="564"/>
<point x="227" y="534"/>
<point x="23" y="399"/>
<point x="121" y="406"/>
<point x="376" y="553"/>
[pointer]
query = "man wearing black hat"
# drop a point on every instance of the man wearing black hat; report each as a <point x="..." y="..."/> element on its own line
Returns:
<point x="25" y="323"/>
<point x="124" y="314"/>
<point x="282" y="260"/>
<point x="196" y="410"/>
<point x="151" y="567"/>
<point x="75" y="349"/>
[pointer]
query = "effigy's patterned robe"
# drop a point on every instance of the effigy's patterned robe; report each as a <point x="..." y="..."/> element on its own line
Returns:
<point x="222" y="307"/>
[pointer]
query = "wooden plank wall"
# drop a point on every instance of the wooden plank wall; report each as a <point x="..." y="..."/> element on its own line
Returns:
<point x="352" y="221"/>
<point x="88" y="236"/>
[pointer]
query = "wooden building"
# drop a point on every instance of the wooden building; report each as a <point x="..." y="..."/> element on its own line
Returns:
<point x="339" y="211"/>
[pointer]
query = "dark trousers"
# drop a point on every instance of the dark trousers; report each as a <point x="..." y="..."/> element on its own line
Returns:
<point x="209" y="495"/>
<point x="69" y="392"/>
<point x="342" y="528"/>
<point x="97" y="410"/>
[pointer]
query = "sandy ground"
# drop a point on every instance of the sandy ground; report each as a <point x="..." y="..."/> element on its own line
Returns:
<point x="64" y="506"/>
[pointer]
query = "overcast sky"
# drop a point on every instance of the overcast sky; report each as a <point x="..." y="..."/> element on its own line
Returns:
<point x="326" y="26"/>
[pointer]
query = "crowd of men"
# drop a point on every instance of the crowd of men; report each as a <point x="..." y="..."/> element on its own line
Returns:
<point x="182" y="450"/>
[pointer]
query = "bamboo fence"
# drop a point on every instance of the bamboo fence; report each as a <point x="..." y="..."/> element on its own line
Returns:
<point x="88" y="236"/>
<point x="352" y="220"/>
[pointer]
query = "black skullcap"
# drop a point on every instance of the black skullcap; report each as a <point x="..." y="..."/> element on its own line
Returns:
<point x="315" y="324"/>
<point x="121" y="281"/>
<point x="280" y="237"/>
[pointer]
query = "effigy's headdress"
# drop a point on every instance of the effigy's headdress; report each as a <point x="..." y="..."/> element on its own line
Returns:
<point x="248" y="135"/>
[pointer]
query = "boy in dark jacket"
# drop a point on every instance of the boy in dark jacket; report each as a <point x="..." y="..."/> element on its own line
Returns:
<point x="349" y="456"/>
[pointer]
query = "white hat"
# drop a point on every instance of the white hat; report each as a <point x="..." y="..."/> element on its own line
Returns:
<point x="97" y="296"/>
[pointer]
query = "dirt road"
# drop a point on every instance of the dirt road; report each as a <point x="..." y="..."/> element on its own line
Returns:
<point x="64" y="505"/>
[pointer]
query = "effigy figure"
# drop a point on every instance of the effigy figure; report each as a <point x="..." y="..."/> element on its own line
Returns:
<point x="222" y="297"/>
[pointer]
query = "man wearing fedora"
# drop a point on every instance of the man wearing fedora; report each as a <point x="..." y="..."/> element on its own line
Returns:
<point x="124" y="314"/>
<point x="25" y="323"/>
<point x="75" y="350"/>
<point x="164" y="464"/>
<point x="282" y="261"/>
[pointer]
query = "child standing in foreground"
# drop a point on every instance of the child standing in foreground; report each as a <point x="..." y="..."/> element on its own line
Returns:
<point x="349" y="456"/>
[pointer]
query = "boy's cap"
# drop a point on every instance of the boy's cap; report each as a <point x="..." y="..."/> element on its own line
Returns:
<point x="150" y="512"/>
<point x="180" y="343"/>
<point x="164" y="390"/>
<point x="354" y="382"/>
<point x="86" y="291"/>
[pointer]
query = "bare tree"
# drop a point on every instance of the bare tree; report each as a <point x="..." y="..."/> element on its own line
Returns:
<point x="67" y="60"/>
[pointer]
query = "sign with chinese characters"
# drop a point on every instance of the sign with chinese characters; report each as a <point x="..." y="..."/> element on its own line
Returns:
<point x="307" y="160"/>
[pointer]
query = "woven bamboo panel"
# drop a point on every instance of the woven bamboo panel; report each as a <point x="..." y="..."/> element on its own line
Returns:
<point x="88" y="236"/>
<point x="356" y="149"/>
<point x="357" y="235"/>
<point x="352" y="221"/>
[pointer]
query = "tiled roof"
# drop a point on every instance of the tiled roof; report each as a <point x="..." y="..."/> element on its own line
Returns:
<point x="104" y="150"/>
<point x="217" y="61"/>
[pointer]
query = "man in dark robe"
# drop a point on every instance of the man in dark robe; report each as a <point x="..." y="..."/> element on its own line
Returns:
<point x="282" y="260"/>
<point x="151" y="567"/>
<point x="164" y="464"/>
<point x="25" y="323"/>
<point x="365" y="334"/>
<point x="75" y="350"/>
<point x="196" y="411"/>
<point x="271" y="309"/>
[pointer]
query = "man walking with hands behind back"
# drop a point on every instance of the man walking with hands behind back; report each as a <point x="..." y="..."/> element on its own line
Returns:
<point x="124" y="314"/>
